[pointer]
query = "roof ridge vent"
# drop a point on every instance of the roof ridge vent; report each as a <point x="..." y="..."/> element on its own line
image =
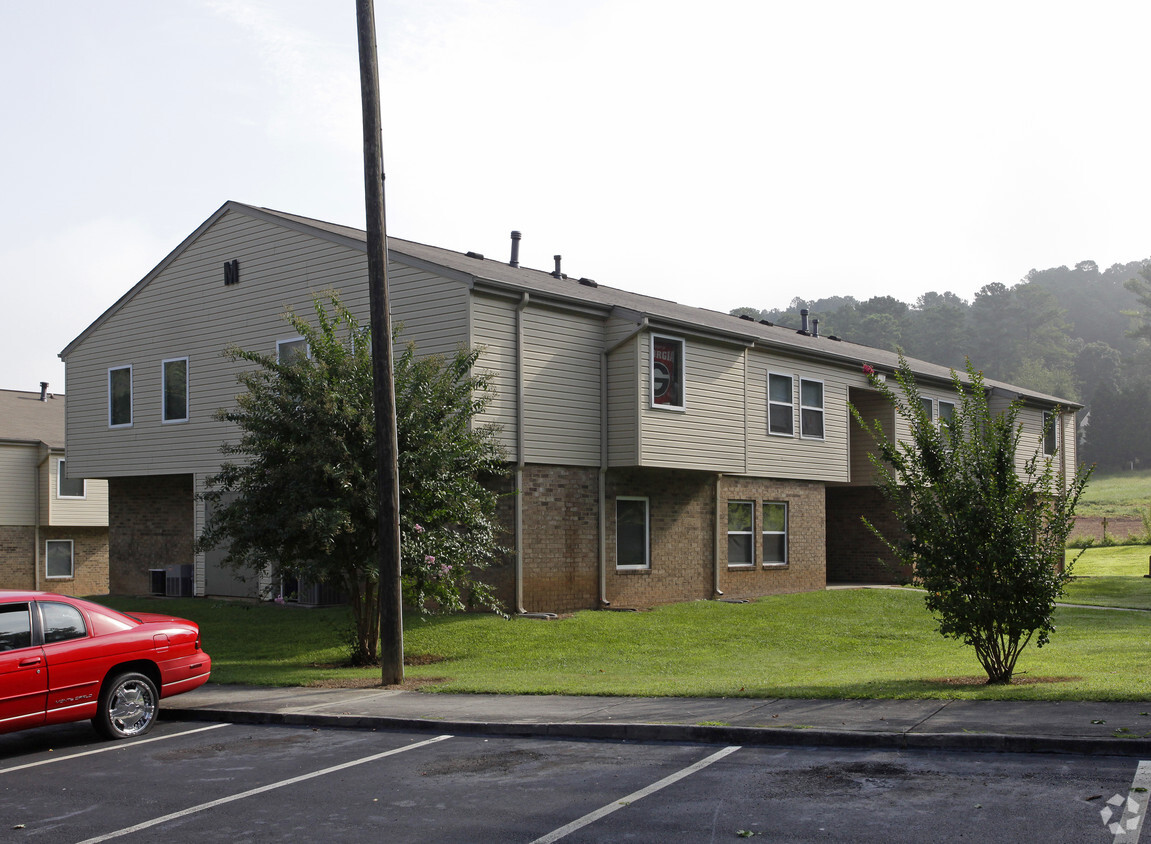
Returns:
<point x="588" y="282"/>
<point x="477" y="255"/>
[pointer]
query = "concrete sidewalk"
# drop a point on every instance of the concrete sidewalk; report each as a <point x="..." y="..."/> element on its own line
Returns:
<point x="1101" y="728"/>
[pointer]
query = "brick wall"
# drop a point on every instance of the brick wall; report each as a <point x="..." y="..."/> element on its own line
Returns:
<point x="150" y="525"/>
<point x="561" y="538"/>
<point x="681" y="507"/>
<point x="854" y="555"/>
<point x="806" y="568"/>
<point x="89" y="559"/>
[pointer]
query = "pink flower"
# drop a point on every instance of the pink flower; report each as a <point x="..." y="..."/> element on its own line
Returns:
<point x="429" y="559"/>
<point x="868" y="369"/>
<point x="418" y="528"/>
<point x="445" y="568"/>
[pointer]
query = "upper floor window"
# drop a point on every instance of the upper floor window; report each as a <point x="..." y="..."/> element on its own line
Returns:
<point x="174" y="378"/>
<point x="740" y="536"/>
<point x="1050" y="433"/>
<point x="120" y="397"/>
<point x="667" y="369"/>
<point x="68" y="487"/>
<point x="292" y="349"/>
<point x="810" y="409"/>
<point x="780" y="405"/>
<point x="946" y="413"/>
<point x="928" y="408"/>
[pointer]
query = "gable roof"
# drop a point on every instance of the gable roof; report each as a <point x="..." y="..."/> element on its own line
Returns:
<point x="24" y="418"/>
<point x="542" y="285"/>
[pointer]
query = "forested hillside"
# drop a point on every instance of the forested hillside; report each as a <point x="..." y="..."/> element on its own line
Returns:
<point x="1079" y="333"/>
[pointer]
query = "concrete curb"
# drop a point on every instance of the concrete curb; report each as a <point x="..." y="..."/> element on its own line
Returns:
<point x="702" y="734"/>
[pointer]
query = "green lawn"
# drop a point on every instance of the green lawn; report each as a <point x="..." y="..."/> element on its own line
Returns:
<point x="1111" y="577"/>
<point x="1117" y="495"/>
<point x="842" y="643"/>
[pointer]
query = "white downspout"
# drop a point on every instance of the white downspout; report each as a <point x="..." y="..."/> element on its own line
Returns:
<point x="603" y="460"/>
<point x="519" y="475"/>
<point x="718" y="549"/>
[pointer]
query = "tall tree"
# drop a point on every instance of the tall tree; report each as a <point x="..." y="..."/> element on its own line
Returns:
<point x="299" y="496"/>
<point x="984" y="540"/>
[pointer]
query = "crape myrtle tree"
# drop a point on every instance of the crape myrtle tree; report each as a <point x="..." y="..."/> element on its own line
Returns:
<point x="984" y="537"/>
<point x="299" y="497"/>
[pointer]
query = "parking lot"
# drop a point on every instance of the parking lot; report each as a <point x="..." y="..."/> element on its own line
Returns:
<point x="230" y="782"/>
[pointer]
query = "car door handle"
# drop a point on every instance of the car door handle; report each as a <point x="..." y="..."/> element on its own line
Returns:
<point x="32" y="660"/>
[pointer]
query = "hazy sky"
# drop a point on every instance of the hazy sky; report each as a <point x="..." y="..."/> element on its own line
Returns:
<point x="719" y="154"/>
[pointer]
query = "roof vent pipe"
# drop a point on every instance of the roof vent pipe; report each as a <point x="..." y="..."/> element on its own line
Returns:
<point x="43" y="391"/>
<point x="515" y="261"/>
<point x="815" y="328"/>
<point x="557" y="272"/>
<point x="803" y="313"/>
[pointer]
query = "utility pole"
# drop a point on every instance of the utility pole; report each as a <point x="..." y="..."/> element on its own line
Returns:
<point x="383" y="369"/>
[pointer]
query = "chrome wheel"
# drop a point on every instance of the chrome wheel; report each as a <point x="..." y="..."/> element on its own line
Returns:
<point x="127" y="707"/>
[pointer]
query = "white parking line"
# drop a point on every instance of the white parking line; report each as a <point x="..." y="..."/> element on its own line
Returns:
<point x="253" y="792"/>
<point x="1142" y="781"/>
<point x="591" y="817"/>
<point x="107" y="748"/>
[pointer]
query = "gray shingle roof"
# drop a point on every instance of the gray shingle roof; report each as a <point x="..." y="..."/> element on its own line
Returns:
<point x="23" y="417"/>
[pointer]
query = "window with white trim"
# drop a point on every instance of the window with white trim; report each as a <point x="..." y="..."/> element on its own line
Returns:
<point x="1050" y="433"/>
<point x="946" y="413"/>
<point x="774" y="533"/>
<point x="780" y="405"/>
<point x="741" y="533"/>
<point x="174" y="388"/>
<point x="632" y="533"/>
<point x="58" y="560"/>
<point x="810" y="409"/>
<point x="928" y="407"/>
<point x="294" y="348"/>
<point x="120" y="397"/>
<point x="68" y="487"/>
<point x="667" y="368"/>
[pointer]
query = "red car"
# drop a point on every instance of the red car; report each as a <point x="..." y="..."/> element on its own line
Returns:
<point x="66" y="659"/>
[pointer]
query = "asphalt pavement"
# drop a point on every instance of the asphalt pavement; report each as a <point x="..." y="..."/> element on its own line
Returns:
<point x="1080" y="727"/>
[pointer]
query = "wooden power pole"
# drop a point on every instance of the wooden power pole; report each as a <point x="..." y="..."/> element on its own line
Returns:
<point x="383" y="369"/>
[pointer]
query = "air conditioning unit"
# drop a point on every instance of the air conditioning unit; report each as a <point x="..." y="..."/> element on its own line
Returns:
<point x="313" y="594"/>
<point x="178" y="582"/>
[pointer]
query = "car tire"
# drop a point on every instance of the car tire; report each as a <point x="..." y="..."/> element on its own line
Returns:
<point x="127" y="707"/>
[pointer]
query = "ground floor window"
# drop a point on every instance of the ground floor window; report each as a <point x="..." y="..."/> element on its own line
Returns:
<point x="58" y="558"/>
<point x="632" y="533"/>
<point x="740" y="532"/>
<point x="774" y="533"/>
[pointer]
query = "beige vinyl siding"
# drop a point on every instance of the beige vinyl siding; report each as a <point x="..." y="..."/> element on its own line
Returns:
<point x="433" y="309"/>
<point x="562" y="352"/>
<point x="623" y="397"/>
<point x="187" y="311"/>
<point x="90" y="511"/>
<point x="708" y="434"/>
<point x="775" y="456"/>
<point x="18" y="483"/>
<point x="494" y="333"/>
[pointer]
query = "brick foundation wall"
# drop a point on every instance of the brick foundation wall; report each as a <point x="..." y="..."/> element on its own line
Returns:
<point x="854" y="555"/>
<point x="89" y="559"/>
<point x="681" y="507"/>
<point x="806" y="568"/>
<point x="561" y="538"/>
<point x="17" y="556"/>
<point x="150" y="525"/>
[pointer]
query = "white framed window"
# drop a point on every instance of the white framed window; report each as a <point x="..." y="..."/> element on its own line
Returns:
<point x="780" y="405"/>
<point x="174" y="389"/>
<point x="774" y="533"/>
<point x="928" y="408"/>
<point x="68" y="487"/>
<point x="946" y="413"/>
<point x="58" y="562"/>
<point x="1050" y="433"/>
<point x="120" y="397"/>
<point x="632" y="533"/>
<point x="667" y="368"/>
<point x="741" y="533"/>
<point x="810" y="409"/>
<point x="293" y="348"/>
